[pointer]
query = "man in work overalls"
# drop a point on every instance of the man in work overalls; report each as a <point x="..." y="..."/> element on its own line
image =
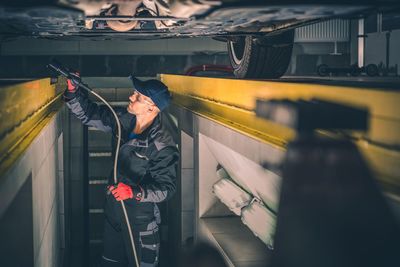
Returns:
<point x="147" y="167"/>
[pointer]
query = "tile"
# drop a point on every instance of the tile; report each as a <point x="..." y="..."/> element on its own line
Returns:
<point x="206" y="178"/>
<point x="16" y="228"/>
<point x="76" y="207"/>
<point x="47" y="252"/>
<point x="14" y="178"/>
<point x="96" y="196"/>
<point x="56" y="237"/>
<point x="43" y="196"/>
<point x="60" y="152"/>
<point x="53" y="172"/>
<point x="186" y="121"/>
<point x="187" y="157"/>
<point x="96" y="225"/>
<point x="60" y="191"/>
<point x="60" y="121"/>
<point x="99" y="141"/>
<point x="51" y="135"/>
<point x="40" y="204"/>
<point x="78" y="236"/>
<point x="62" y="230"/>
<point x="187" y="183"/>
<point x="76" y="132"/>
<point x="100" y="167"/>
<point x="39" y="151"/>
<point x="187" y="225"/>
<point x="122" y="94"/>
<point x="76" y="163"/>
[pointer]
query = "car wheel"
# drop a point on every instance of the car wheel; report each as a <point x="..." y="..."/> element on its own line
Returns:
<point x="322" y="70"/>
<point x="355" y="70"/>
<point x="372" y="70"/>
<point x="261" y="57"/>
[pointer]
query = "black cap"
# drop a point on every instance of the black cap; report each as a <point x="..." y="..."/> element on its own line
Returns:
<point x="155" y="89"/>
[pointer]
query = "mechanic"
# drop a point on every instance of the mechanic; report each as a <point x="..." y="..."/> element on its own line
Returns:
<point x="147" y="167"/>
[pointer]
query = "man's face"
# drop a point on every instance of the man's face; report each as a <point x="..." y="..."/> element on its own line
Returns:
<point x="140" y="104"/>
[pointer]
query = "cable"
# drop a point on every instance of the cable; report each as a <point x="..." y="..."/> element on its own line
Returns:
<point x="69" y="75"/>
<point x="115" y="169"/>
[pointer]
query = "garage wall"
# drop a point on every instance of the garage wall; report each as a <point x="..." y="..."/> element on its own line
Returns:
<point x="308" y="54"/>
<point x="37" y="177"/>
<point x="375" y="48"/>
<point x="326" y="42"/>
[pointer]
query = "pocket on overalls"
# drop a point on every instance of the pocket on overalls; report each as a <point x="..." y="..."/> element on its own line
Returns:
<point x="150" y="245"/>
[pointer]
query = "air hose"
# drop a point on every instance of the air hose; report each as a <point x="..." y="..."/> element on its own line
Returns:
<point x="69" y="75"/>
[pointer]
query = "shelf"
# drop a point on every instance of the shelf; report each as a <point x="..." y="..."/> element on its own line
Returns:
<point x="239" y="246"/>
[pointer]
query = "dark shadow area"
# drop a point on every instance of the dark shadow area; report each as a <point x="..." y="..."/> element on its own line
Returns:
<point x="16" y="230"/>
<point x="203" y="255"/>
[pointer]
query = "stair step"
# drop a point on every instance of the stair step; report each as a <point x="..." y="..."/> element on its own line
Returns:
<point x="92" y="211"/>
<point x="98" y="181"/>
<point x="99" y="154"/>
<point x="93" y="129"/>
<point x="96" y="241"/>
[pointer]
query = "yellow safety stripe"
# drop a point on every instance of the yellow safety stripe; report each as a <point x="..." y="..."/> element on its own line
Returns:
<point x="231" y="102"/>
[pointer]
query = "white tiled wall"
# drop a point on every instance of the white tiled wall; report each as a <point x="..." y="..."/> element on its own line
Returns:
<point x="46" y="200"/>
<point x="187" y="186"/>
<point x="43" y="159"/>
<point x="60" y="189"/>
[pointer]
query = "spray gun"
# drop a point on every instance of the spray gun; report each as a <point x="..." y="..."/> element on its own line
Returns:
<point x="59" y="68"/>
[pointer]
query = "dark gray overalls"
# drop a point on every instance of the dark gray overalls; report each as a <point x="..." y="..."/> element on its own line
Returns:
<point x="149" y="160"/>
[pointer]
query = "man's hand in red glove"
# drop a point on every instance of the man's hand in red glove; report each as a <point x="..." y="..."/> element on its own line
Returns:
<point x="123" y="191"/>
<point x="72" y="86"/>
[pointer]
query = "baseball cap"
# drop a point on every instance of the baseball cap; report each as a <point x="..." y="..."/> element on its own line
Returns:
<point x="154" y="89"/>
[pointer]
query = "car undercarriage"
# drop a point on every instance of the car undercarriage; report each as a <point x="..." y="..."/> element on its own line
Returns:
<point x="259" y="34"/>
<point x="153" y="19"/>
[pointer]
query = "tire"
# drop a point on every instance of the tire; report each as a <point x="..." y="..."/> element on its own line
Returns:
<point x="322" y="70"/>
<point x="372" y="70"/>
<point x="355" y="70"/>
<point x="261" y="57"/>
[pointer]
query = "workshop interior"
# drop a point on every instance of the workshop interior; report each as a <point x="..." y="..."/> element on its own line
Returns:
<point x="283" y="118"/>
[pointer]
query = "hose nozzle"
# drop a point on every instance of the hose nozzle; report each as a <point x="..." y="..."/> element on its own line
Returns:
<point x="59" y="68"/>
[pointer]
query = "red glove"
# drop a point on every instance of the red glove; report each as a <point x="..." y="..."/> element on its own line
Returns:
<point x="71" y="85"/>
<point x="124" y="191"/>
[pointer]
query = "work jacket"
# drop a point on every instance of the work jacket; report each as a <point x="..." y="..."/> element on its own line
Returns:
<point x="149" y="160"/>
